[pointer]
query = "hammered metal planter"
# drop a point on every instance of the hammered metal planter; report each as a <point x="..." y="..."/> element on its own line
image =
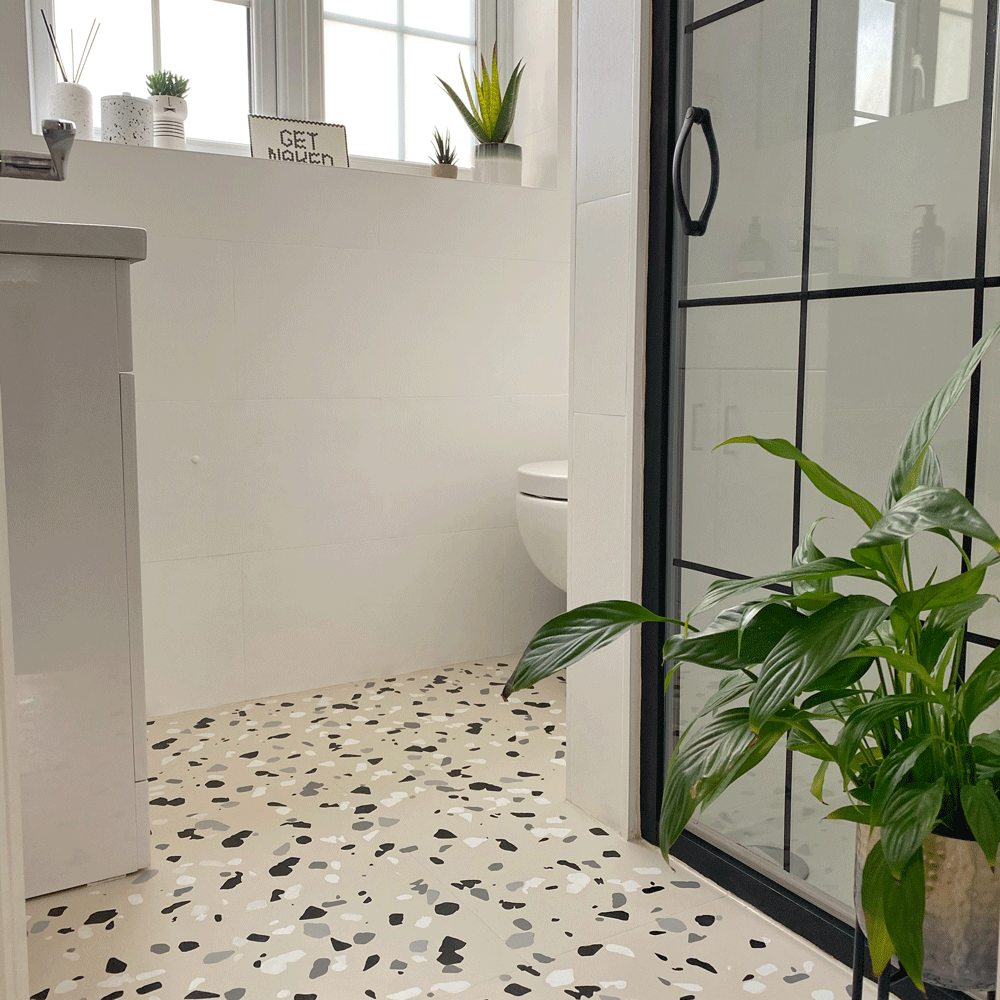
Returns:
<point x="962" y="910"/>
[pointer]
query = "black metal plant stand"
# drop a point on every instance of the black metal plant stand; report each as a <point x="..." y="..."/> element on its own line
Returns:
<point x="889" y="976"/>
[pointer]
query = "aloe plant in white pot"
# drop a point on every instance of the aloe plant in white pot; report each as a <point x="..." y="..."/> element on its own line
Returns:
<point x="886" y="673"/>
<point x="490" y="116"/>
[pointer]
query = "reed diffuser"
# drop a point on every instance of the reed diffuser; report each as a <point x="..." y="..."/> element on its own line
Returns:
<point x="68" y="98"/>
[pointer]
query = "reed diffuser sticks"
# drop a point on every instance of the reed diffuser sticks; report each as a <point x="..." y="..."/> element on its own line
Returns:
<point x="76" y="67"/>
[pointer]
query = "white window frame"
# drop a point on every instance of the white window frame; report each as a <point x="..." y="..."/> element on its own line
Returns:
<point x="286" y="64"/>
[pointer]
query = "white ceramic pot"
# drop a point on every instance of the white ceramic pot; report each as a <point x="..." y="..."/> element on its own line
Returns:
<point x="497" y="163"/>
<point x="444" y="170"/>
<point x="126" y="120"/>
<point x="168" y="121"/>
<point x="73" y="102"/>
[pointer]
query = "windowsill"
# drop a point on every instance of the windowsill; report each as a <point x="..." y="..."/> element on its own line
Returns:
<point x="407" y="167"/>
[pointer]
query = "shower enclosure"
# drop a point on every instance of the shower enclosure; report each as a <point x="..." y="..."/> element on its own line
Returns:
<point x="849" y="261"/>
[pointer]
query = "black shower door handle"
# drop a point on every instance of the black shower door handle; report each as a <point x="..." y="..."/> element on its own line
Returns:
<point x="702" y="117"/>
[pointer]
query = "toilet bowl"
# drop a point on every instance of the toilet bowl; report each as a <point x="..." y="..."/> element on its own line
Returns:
<point x="541" y="516"/>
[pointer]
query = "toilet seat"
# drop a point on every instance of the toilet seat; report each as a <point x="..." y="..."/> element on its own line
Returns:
<point x="547" y="480"/>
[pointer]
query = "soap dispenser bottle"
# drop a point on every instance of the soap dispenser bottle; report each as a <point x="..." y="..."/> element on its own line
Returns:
<point x="755" y="254"/>
<point x="927" y="248"/>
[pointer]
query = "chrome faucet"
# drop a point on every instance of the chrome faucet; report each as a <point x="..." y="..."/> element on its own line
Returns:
<point x="59" y="136"/>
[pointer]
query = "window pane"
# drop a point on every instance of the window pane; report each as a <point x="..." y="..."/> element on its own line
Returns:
<point x="362" y="89"/>
<point x="427" y="105"/>
<point x="206" y="41"/>
<point x="370" y="10"/>
<point x="451" y="17"/>
<point x="873" y="83"/>
<point x="123" y="51"/>
<point x="954" y="59"/>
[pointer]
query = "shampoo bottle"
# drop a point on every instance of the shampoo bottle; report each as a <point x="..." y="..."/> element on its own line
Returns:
<point x="927" y="248"/>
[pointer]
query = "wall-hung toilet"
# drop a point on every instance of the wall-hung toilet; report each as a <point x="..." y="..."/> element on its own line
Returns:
<point x="541" y="516"/>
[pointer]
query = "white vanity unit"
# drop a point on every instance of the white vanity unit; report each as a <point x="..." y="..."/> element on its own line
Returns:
<point x="68" y="400"/>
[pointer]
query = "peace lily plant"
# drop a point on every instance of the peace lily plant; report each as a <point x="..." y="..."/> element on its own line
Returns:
<point x="885" y="671"/>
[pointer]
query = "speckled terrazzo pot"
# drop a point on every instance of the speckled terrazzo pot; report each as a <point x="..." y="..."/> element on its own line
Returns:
<point x="73" y="102"/>
<point x="126" y="120"/>
<point x="962" y="910"/>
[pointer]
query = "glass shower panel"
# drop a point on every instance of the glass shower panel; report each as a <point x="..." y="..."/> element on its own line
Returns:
<point x="750" y="69"/>
<point x="897" y="199"/>
<point x="740" y="378"/>
<point x="751" y="811"/>
<point x="987" y="499"/>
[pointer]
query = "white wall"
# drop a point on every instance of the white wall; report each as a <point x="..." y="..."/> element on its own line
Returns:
<point x="607" y="344"/>
<point x="359" y="361"/>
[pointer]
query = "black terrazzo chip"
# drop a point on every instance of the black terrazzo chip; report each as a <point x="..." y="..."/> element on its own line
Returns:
<point x="101" y="917"/>
<point x="115" y="966"/>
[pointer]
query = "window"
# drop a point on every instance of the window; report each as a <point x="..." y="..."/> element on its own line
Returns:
<point x="381" y="63"/>
<point x="138" y="37"/>
<point x="371" y="65"/>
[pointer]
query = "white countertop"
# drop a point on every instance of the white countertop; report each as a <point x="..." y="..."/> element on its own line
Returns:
<point x="59" y="239"/>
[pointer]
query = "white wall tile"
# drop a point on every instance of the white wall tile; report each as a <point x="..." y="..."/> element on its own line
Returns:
<point x="529" y="600"/>
<point x="451" y="463"/>
<point x="315" y="472"/>
<point x="536" y="26"/>
<point x="541" y="158"/>
<point x="192" y="620"/>
<point x="319" y="616"/>
<point x="604" y="89"/>
<point x="597" y="509"/>
<point x="183" y="330"/>
<point x="458" y="326"/>
<point x="601" y="333"/>
<point x="310" y="322"/>
<point x="186" y="508"/>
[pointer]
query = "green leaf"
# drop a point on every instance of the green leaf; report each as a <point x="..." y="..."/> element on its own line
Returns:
<point x="825" y="697"/>
<point x="725" y="648"/>
<point x="809" y="649"/>
<point x="903" y="908"/>
<point x="807" y="552"/>
<point x="982" y="811"/>
<point x="819" y="780"/>
<point x="925" y="508"/>
<point x="909" y="818"/>
<point x="571" y="636"/>
<point x="873" y="883"/>
<point x="818" y="476"/>
<point x="862" y="720"/>
<point x="852" y="814"/>
<point x="494" y="90"/>
<point x="927" y="422"/>
<point x="822" y="569"/>
<point x="470" y="119"/>
<point x="505" y="119"/>
<point x="842" y="675"/>
<point x="981" y="688"/>
<point x="902" y="662"/>
<point x="894" y="770"/>
<point x="930" y="470"/>
<point x="948" y="593"/>
<point x="948" y="619"/>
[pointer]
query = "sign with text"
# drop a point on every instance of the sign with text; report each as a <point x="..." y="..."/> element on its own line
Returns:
<point x="318" y="143"/>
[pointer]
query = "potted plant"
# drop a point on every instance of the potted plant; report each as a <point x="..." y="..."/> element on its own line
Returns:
<point x="887" y="673"/>
<point x="443" y="156"/>
<point x="490" y="116"/>
<point x="167" y="92"/>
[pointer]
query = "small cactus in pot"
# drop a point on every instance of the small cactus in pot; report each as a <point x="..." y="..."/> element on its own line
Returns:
<point x="443" y="156"/>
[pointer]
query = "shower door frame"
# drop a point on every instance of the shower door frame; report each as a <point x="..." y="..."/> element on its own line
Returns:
<point x="774" y="891"/>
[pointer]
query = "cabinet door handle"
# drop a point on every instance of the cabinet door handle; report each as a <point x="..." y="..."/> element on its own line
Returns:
<point x="702" y="117"/>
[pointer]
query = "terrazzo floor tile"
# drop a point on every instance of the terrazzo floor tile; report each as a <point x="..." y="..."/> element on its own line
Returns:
<point x="720" y="950"/>
<point x="389" y="839"/>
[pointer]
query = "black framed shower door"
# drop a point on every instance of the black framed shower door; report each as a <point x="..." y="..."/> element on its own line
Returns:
<point x="824" y="304"/>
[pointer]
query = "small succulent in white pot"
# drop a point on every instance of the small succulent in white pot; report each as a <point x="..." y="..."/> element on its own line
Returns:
<point x="444" y="156"/>
<point x="490" y="116"/>
<point x="167" y="91"/>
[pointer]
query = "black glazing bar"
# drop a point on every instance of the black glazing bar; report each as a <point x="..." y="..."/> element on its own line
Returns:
<point x="720" y="14"/>
<point x="847" y="292"/>
<point x="982" y="640"/>
<point x="726" y="574"/>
